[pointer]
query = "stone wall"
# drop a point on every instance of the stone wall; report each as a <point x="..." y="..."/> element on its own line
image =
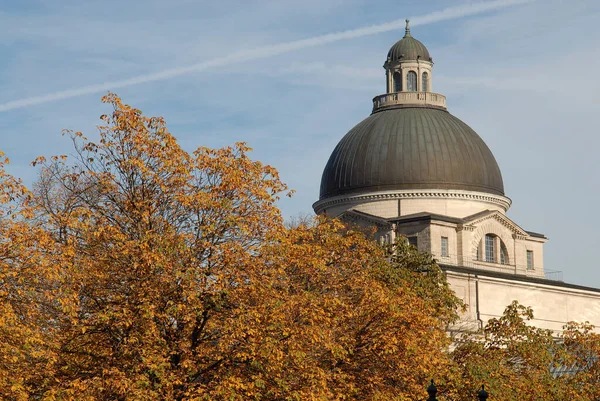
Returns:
<point x="554" y="304"/>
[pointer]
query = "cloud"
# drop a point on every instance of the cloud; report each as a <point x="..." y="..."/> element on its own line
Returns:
<point x="264" y="52"/>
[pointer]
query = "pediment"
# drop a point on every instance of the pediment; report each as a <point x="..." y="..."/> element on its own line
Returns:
<point x="493" y="215"/>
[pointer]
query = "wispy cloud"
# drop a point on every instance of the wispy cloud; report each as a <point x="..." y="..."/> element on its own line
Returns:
<point x="265" y="51"/>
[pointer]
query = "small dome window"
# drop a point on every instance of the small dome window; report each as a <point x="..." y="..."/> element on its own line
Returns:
<point x="397" y="82"/>
<point x="411" y="81"/>
<point x="424" y="82"/>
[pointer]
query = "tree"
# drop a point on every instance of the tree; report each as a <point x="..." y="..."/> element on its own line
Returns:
<point x="27" y="292"/>
<point x="135" y="270"/>
<point x="364" y="322"/>
<point x="518" y="361"/>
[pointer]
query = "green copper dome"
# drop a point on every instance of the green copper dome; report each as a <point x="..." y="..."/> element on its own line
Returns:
<point x="408" y="48"/>
<point x="411" y="148"/>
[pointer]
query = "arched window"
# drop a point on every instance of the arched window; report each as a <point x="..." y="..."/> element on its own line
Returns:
<point x="503" y="254"/>
<point x="490" y="248"/>
<point x="424" y="82"/>
<point x="411" y="81"/>
<point x="397" y="82"/>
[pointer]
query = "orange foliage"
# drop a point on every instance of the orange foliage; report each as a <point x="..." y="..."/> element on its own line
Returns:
<point x="518" y="361"/>
<point x="137" y="271"/>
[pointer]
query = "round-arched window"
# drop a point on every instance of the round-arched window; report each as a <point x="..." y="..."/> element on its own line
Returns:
<point x="424" y="82"/>
<point x="411" y="81"/>
<point x="503" y="253"/>
<point x="491" y="249"/>
<point x="397" y="82"/>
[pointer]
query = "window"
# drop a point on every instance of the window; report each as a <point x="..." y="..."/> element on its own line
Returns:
<point x="411" y="81"/>
<point x="490" y="248"/>
<point x="503" y="254"/>
<point x="412" y="241"/>
<point x="424" y="82"/>
<point x="445" y="247"/>
<point x="397" y="82"/>
<point x="529" y="260"/>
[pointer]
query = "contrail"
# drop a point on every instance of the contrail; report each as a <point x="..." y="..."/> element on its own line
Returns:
<point x="266" y="51"/>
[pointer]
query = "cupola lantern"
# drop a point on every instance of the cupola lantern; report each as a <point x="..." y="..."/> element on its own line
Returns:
<point x="408" y="65"/>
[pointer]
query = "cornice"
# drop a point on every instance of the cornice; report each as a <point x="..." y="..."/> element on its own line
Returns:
<point x="516" y="278"/>
<point x="501" y="201"/>
<point x="505" y="221"/>
<point x="496" y="216"/>
<point x="354" y="216"/>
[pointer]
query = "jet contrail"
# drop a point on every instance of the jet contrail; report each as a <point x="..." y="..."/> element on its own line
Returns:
<point x="266" y="51"/>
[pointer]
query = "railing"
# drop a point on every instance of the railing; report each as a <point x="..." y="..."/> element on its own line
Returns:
<point x="408" y="98"/>
<point x="467" y="261"/>
<point x="554" y="275"/>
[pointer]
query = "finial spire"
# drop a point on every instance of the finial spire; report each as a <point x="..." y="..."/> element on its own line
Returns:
<point x="407" y="29"/>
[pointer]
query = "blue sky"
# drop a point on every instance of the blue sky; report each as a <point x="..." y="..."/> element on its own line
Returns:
<point x="524" y="76"/>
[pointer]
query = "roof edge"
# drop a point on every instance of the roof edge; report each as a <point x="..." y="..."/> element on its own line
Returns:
<point x="516" y="277"/>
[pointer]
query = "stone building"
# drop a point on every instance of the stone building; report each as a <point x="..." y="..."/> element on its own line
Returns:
<point x="414" y="169"/>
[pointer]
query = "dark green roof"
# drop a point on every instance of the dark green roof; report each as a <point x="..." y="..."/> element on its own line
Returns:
<point x="411" y="148"/>
<point x="408" y="48"/>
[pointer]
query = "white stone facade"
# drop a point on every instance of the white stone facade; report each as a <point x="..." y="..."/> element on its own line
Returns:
<point x="488" y="287"/>
<point x="554" y="304"/>
<point x="465" y="236"/>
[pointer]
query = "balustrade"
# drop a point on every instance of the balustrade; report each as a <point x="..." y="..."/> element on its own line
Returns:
<point x="409" y="98"/>
<point x="520" y="269"/>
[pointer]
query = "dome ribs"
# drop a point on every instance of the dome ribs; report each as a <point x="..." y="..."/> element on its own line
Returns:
<point x="411" y="148"/>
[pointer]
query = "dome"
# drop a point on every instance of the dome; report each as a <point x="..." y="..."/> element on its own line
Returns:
<point x="408" y="48"/>
<point x="411" y="148"/>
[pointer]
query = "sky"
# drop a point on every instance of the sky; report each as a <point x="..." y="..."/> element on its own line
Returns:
<point x="290" y="78"/>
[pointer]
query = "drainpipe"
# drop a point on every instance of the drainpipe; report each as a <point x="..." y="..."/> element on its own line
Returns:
<point x="477" y="311"/>
<point x="514" y="252"/>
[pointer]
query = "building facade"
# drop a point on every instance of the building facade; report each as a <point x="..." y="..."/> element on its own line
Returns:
<point x="411" y="168"/>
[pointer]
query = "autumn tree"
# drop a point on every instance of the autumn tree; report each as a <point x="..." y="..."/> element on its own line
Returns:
<point x="159" y="250"/>
<point x="519" y="362"/>
<point x="32" y="303"/>
<point x="137" y="271"/>
<point x="358" y="321"/>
